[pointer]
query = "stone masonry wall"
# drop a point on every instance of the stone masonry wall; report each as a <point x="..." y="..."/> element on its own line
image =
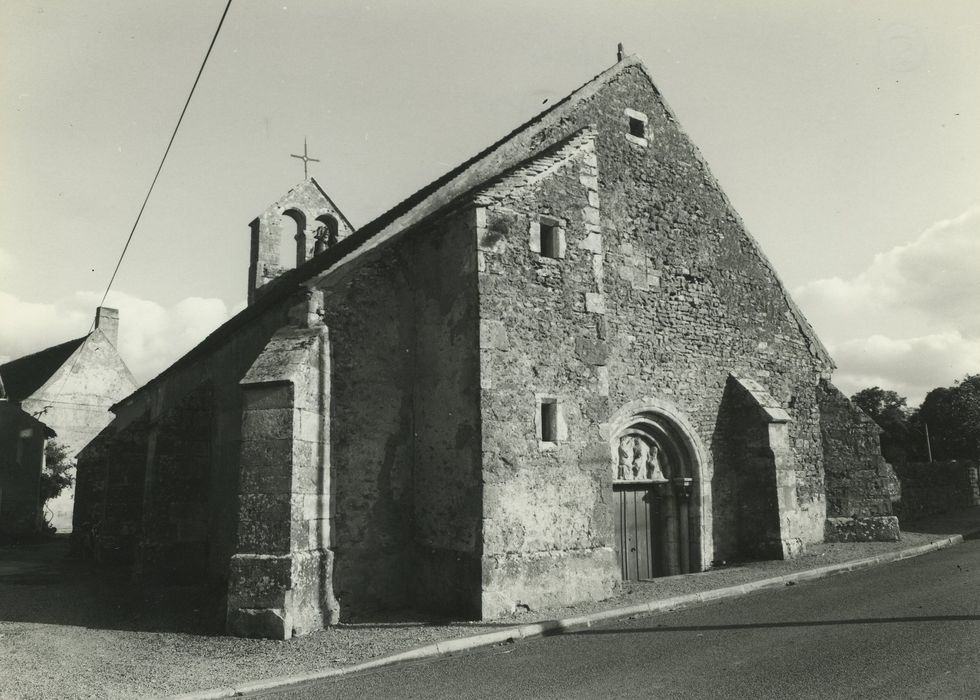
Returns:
<point x="661" y="294"/>
<point x="174" y="542"/>
<point x="369" y="316"/>
<point x="547" y="504"/>
<point x="108" y="514"/>
<point x="221" y="369"/>
<point x="859" y="480"/>
<point x="930" y="488"/>
<point x="447" y="493"/>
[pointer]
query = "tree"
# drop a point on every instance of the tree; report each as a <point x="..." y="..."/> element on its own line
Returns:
<point x="888" y="410"/>
<point x="952" y="415"/>
<point x="56" y="475"/>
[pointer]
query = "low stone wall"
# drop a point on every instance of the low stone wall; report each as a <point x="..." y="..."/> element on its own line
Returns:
<point x="859" y="482"/>
<point x="929" y="488"/>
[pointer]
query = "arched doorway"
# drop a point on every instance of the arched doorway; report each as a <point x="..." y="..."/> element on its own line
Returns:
<point x="660" y="492"/>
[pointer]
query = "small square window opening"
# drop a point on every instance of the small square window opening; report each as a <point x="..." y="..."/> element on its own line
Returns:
<point x="549" y="239"/>
<point x="549" y="420"/>
<point x="638" y="128"/>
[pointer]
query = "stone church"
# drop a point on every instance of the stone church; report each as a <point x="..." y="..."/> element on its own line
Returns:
<point x="562" y="364"/>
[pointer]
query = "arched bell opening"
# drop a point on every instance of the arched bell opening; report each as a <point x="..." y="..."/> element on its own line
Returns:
<point x="658" y="494"/>
<point x="292" y="239"/>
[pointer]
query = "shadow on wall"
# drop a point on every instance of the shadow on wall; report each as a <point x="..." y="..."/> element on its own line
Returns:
<point x="40" y="583"/>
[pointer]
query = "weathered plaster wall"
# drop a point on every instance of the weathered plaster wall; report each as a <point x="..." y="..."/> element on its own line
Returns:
<point x="930" y="488"/>
<point x="859" y="480"/>
<point x="447" y="458"/>
<point x="75" y="402"/>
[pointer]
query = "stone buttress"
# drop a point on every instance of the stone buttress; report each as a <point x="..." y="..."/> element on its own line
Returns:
<point x="280" y="580"/>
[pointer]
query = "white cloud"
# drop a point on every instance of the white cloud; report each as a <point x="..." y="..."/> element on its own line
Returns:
<point x="151" y="336"/>
<point x="911" y="320"/>
<point x="910" y="366"/>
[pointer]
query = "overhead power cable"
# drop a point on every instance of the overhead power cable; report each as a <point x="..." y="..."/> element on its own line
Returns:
<point x="165" y="153"/>
<point x="146" y="199"/>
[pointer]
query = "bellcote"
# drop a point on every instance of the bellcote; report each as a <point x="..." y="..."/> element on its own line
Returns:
<point x="305" y="222"/>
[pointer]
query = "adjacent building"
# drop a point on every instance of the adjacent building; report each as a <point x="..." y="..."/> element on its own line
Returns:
<point x="62" y="392"/>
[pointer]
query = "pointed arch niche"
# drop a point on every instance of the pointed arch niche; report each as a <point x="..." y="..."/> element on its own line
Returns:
<point x="661" y="491"/>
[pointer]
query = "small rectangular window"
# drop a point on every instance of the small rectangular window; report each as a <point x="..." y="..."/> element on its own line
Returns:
<point x="549" y="420"/>
<point x="638" y="128"/>
<point x="549" y="239"/>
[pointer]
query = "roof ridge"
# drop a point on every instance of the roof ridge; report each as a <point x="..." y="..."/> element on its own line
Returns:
<point x="44" y="350"/>
<point x="367" y="237"/>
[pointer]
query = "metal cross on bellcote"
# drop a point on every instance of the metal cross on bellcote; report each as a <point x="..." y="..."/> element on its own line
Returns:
<point x="305" y="158"/>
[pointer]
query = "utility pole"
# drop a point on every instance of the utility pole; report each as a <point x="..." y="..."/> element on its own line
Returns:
<point x="928" y="442"/>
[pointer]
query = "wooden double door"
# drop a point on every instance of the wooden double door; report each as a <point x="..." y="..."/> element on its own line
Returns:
<point x="651" y="534"/>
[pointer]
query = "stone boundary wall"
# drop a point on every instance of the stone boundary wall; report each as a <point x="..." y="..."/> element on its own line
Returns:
<point x="929" y="488"/>
<point x="859" y="482"/>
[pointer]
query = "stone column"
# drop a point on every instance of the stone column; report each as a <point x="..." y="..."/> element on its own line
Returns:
<point x="668" y="513"/>
<point x="682" y="486"/>
<point x="281" y="577"/>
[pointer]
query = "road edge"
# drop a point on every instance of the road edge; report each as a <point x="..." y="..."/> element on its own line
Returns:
<point x="560" y="626"/>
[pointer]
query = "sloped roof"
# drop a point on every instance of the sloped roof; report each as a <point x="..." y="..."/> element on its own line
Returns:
<point x="489" y="163"/>
<point x="25" y="375"/>
<point x="332" y="203"/>
<point x="492" y="162"/>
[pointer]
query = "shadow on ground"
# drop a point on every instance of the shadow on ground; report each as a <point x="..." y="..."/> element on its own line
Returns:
<point x="40" y="583"/>
<point x="960" y="521"/>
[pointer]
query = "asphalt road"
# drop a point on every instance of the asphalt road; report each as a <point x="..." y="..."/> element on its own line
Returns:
<point x="905" y="630"/>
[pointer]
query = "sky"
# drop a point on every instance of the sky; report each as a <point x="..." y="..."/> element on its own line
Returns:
<point x="846" y="134"/>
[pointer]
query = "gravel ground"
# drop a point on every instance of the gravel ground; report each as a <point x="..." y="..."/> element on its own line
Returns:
<point x="68" y="630"/>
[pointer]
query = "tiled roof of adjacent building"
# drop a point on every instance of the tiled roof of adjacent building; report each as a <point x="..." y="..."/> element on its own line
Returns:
<point x="25" y="375"/>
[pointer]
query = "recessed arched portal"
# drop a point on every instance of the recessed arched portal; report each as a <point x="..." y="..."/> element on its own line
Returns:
<point x="661" y="491"/>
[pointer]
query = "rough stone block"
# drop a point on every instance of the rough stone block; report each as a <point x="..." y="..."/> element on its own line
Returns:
<point x="595" y="303"/>
<point x="592" y="352"/>
<point x="493" y="335"/>
<point x="592" y="242"/>
<point x="259" y="623"/>
<point x="266" y="396"/>
<point x="882" y="528"/>
<point x="272" y="423"/>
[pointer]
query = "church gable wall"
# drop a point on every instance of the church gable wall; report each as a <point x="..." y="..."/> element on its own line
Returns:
<point x="676" y="297"/>
<point x="546" y="517"/>
<point x="692" y="299"/>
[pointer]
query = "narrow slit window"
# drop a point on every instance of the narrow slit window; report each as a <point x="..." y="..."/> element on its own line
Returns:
<point x="549" y="239"/>
<point x="549" y="420"/>
<point x="638" y="128"/>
